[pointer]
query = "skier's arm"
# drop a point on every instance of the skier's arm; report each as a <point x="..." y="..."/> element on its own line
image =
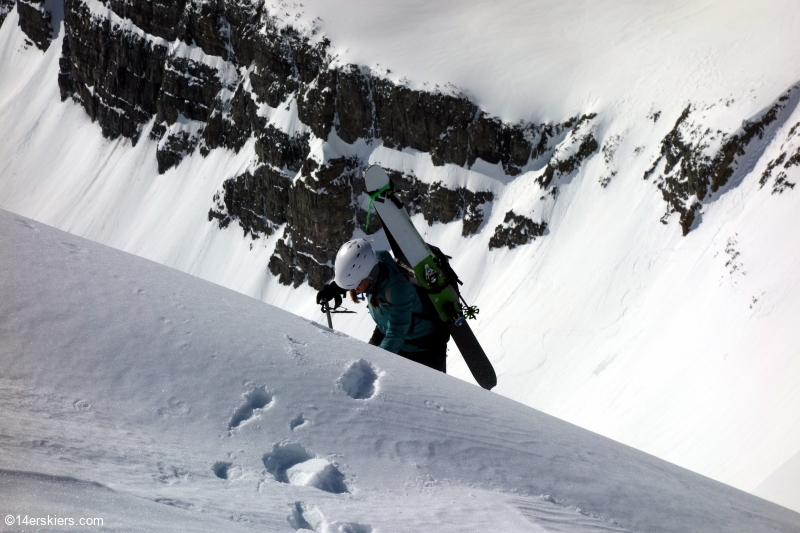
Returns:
<point x="400" y="310"/>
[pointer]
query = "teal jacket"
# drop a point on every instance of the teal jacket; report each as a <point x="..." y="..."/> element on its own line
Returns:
<point x="399" y="314"/>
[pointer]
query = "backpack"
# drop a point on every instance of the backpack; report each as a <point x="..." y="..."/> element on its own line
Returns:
<point x="443" y="260"/>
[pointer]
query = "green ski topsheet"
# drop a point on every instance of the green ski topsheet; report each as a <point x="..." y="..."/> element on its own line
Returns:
<point x="417" y="253"/>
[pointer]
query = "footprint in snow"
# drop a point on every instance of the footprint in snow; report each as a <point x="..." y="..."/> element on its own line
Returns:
<point x="226" y="470"/>
<point x="360" y="380"/>
<point x="291" y="463"/>
<point x="298" y="422"/>
<point x="255" y="402"/>
<point x="293" y="348"/>
<point x="220" y="469"/>
<point x="306" y="517"/>
<point x="170" y="474"/>
<point x="81" y="406"/>
<point x="294" y="341"/>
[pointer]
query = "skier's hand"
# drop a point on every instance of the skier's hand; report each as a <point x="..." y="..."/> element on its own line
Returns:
<point x="377" y="337"/>
<point x="329" y="292"/>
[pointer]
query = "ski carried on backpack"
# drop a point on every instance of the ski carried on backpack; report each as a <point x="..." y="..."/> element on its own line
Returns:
<point x="432" y="271"/>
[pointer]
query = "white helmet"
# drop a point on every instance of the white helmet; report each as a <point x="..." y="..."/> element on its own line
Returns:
<point x="354" y="262"/>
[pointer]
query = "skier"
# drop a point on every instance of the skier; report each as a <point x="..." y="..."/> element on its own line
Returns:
<point x="403" y="326"/>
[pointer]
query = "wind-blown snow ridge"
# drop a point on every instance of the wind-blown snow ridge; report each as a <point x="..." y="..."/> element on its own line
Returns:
<point x="128" y="337"/>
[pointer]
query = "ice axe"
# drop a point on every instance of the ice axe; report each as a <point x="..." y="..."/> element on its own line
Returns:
<point x="327" y="309"/>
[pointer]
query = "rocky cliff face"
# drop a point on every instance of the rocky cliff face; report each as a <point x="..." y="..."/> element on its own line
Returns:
<point x="208" y="75"/>
<point x="201" y="75"/>
<point x="5" y="7"/>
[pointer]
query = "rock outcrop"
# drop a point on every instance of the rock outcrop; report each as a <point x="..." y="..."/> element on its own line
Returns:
<point x="580" y="146"/>
<point x="441" y="204"/>
<point x="5" y="8"/>
<point x="789" y="157"/>
<point x="35" y="21"/>
<point x="698" y="162"/>
<point x="516" y="230"/>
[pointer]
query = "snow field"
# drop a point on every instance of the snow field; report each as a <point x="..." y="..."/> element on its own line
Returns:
<point x="145" y="396"/>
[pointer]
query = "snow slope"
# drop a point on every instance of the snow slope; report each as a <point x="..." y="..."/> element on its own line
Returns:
<point x="151" y="399"/>
<point x="684" y="347"/>
<point x="549" y="59"/>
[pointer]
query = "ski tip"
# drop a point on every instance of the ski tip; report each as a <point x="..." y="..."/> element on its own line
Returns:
<point x="488" y="383"/>
<point x="375" y="178"/>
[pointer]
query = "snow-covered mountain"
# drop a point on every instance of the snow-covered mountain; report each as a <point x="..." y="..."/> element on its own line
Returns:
<point x="615" y="180"/>
<point x="154" y="400"/>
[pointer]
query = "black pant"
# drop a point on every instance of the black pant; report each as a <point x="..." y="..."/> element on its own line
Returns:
<point x="433" y="349"/>
<point x="435" y="358"/>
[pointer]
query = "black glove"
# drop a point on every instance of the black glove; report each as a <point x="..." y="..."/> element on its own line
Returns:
<point x="377" y="337"/>
<point x="329" y="292"/>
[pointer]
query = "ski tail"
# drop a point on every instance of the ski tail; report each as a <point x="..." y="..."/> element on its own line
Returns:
<point x="473" y="354"/>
